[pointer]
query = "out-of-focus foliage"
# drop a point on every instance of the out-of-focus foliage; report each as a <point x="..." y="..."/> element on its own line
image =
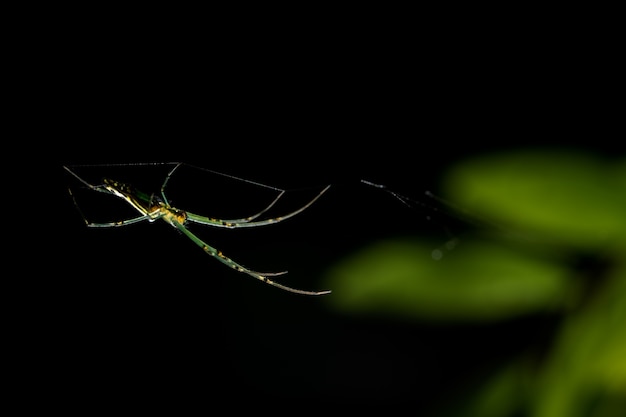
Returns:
<point x="583" y="375"/>
<point x="477" y="281"/>
<point x="545" y="210"/>
<point x="564" y="198"/>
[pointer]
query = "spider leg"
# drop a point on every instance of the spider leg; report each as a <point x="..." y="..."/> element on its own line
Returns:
<point x="167" y="178"/>
<point x="242" y="220"/>
<point x="101" y="189"/>
<point x="117" y="223"/>
<point x="108" y="224"/>
<point x="229" y="262"/>
<point x="254" y="216"/>
<point x="245" y="222"/>
<point x="98" y="188"/>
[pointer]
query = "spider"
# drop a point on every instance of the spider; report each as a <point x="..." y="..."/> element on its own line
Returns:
<point x="152" y="207"/>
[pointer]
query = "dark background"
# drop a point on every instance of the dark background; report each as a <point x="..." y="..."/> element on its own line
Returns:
<point x="141" y="312"/>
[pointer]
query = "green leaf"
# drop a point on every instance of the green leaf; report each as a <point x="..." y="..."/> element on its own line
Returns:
<point x="587" y="364"/>
<point x="563" y="197"/>
<point x="476" y="281"/>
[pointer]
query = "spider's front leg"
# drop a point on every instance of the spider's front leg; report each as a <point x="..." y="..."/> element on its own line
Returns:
<point x="102" y="189"/>
<point x="118" y="223"/>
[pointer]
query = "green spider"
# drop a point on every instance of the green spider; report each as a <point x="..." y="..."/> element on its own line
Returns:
<point x="152" y="208"/>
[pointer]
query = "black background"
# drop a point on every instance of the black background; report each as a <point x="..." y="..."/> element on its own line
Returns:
<point x="140" y="312"/>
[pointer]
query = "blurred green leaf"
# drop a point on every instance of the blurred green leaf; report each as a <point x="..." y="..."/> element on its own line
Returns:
<point x="564" y="197"/>
<point x="503" y="394"/>
<point x="476" y="281"/>
<point x="588" y="362"/>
